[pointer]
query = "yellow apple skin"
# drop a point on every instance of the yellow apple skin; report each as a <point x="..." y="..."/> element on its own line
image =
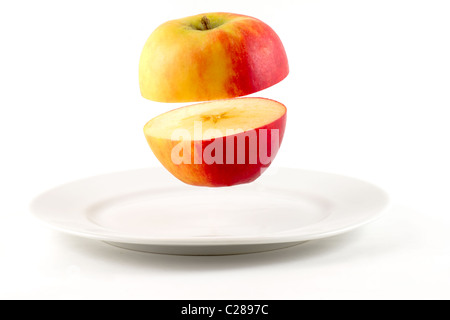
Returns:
<point x="183" y="62"/>
<point x="218" y="175"/>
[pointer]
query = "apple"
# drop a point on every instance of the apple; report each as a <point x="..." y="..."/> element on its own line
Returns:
<point x="209" y="57"/>
<point x="218" y="143"/>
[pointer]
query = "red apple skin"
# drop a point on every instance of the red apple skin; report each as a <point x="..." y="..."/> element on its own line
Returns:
<point x="216" y="175"/>
<point x="180" y="63"/>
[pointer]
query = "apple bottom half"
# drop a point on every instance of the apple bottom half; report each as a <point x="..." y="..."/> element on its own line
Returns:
<point x="216" y="174"/>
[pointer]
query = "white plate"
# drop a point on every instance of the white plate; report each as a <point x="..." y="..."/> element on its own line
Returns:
<point x="149" y="210"/>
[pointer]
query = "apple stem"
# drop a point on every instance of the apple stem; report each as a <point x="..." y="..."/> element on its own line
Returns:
<point x="206" y="23"/>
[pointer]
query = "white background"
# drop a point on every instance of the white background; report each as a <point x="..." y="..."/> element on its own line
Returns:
<point x="368" y="96"/>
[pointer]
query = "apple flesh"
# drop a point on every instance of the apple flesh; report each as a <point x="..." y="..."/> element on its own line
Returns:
<point x="209" y="57"/>
<point x="219" y="143"/>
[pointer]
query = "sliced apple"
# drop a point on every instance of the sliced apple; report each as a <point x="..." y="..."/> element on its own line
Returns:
<point x="210" y="56"/>
<point x="218" y="143"/>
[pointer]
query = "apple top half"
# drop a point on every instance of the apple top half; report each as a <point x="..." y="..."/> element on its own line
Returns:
<point x="209" y="57"/>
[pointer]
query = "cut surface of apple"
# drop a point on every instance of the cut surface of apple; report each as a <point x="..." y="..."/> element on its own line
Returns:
<point x="210" y="56"/>
<point x="218" y="117"/>
<point x="218" y="143"/>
